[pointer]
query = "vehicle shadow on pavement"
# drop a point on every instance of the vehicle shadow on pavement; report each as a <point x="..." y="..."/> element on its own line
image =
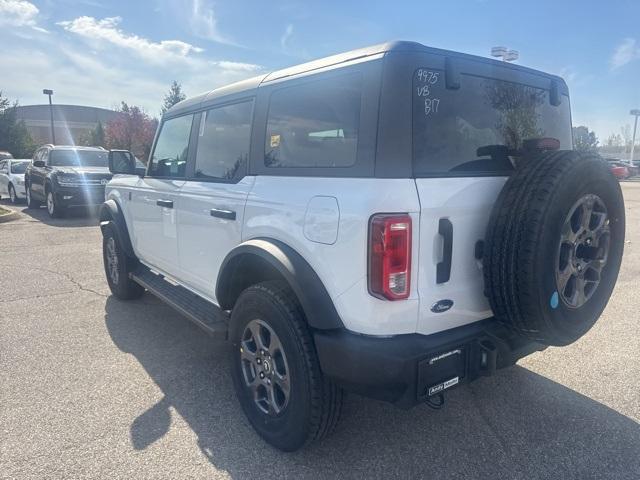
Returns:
<point x="73" y="217"/>
<point x="516" y="424"/>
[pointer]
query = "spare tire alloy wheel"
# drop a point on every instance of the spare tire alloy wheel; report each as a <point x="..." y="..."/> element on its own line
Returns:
<point x="554" y="245"/>
<point x="583" y="250"/>
<point x="264" y="367"/>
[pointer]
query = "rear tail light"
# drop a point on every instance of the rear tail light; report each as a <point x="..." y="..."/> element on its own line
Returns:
<point x="390" y="256"/>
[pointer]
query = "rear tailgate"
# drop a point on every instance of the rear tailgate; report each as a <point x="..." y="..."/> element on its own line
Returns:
<point x="464" y="205"/>
<point x="469" y="126"/>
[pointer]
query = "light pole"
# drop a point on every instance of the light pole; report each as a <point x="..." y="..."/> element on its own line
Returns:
<point x="636" y="113"/>
<point x="53" y="133"/>
<point x="504" y="53"/>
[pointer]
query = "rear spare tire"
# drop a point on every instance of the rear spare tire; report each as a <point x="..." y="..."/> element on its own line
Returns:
<point x="553" y="246"/>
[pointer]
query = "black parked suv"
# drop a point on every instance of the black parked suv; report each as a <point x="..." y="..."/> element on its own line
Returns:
<point x="66" y="176"/>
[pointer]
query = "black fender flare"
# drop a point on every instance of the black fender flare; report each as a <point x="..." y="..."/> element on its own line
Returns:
<point x="303" y="280"/>
<point x="111" y="214"/>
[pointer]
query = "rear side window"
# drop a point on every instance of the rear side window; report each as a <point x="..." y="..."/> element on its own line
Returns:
<point x="169" y="157"/>
<point x="449" y="126"/>
<point x="315" y="124"/>
<point x="19" y="167"/>
<point x="223" y="143"/>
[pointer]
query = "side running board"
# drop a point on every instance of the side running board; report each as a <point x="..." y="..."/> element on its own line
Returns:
<point x="206" y="315"/>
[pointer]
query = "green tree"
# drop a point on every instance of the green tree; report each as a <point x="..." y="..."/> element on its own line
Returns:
<point x="93" y="138"/>
<point x="14" y="136"/>
<point x="584" y="140"/>
<point x="174" y="96"/>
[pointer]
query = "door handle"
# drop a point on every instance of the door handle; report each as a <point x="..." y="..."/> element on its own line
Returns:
<point x="165" y="203"/>
<point x="443" y="268"/>
<point x="220" y="213"/>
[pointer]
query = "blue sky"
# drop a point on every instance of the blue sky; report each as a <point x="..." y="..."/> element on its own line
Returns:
<point x="93" y="52"/>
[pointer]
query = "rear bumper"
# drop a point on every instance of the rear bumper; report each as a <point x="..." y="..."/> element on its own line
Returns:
<point x="408" y="369"/>
<point x="80" y="196"/>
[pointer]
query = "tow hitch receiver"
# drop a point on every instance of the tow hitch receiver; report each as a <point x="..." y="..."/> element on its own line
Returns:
<point x="459" y="364"/>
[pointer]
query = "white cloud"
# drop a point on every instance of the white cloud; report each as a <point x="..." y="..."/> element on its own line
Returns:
<point x="626" y="52"/>
<point x="237" y="66"/>
<point x="18" y="13"/>
<point x="107" y="30"/>
<point x="284" y="39"/>
<point x="109" y="66"/>
<point x="203" y="22"/>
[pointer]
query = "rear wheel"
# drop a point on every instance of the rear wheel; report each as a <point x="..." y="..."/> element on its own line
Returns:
<point x="554" y="246"/>
<point x="276" y="371"/>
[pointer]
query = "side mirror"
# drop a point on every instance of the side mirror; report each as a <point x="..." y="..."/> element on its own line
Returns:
<point x="122" y="161"/>
<point x="39" y="163"/>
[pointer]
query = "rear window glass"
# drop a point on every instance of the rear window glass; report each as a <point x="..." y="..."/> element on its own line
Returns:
<point x="449" y="126"/>
<point x="315" y="124"/>
<point x="19" y="167"/>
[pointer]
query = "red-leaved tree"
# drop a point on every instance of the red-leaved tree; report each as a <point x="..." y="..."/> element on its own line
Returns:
<point x="131" y="130"/>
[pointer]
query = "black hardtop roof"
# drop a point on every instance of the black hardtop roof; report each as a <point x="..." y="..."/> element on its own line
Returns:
<point x="373" y="51"/>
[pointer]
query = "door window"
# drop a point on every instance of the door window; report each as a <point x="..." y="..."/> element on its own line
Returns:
<point x="223" y="142"/>
<point x="315" y="124"/>
<point x="169" y="157"/>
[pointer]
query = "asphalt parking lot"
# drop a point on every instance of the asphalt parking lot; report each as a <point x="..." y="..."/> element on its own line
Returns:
<point x="91" y="387"/>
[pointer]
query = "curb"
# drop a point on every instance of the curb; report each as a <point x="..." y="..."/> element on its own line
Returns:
<point x="8" y="217"/>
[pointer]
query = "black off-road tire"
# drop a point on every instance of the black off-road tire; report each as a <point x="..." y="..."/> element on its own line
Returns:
<point x="120" y="284"/>
<point x="315" y="403"/>
<point x="522" y="245"/>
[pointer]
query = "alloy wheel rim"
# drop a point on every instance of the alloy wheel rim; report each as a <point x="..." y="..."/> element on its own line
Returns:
<point x="264" y="367"/>
<point x="583" y="251"/>
<point x="50" y="205"/>
<point x="28" y="196"/>
<point x="12" y="195"/>
<point x="112" y="261"/>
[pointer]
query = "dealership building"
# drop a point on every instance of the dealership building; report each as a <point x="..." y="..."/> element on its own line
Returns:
<point x="70" y="122"/>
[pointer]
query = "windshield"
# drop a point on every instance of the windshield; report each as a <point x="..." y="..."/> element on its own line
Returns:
<point x="18" y="167"/>
<point x="78" y="158"/>
<point x="450" y="126"/>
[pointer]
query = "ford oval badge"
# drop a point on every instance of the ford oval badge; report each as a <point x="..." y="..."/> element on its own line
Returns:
<point x="441" y="306"/>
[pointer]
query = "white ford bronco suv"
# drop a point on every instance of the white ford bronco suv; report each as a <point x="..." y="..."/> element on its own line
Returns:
<point x="392" y="221"/>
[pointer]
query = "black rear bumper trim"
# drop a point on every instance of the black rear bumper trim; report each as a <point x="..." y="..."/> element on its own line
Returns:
<point x="394" y="369"/>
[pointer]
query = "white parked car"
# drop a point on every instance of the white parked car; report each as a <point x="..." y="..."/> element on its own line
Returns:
<point x="393" y="221"/>
<point x="12" y="178"/>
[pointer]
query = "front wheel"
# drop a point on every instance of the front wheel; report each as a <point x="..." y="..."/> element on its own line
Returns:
<point x="54" y="208"/>
<point x="117" y="266"/>
<point x="275" y="369"/>
<point x="12" y="194"/>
